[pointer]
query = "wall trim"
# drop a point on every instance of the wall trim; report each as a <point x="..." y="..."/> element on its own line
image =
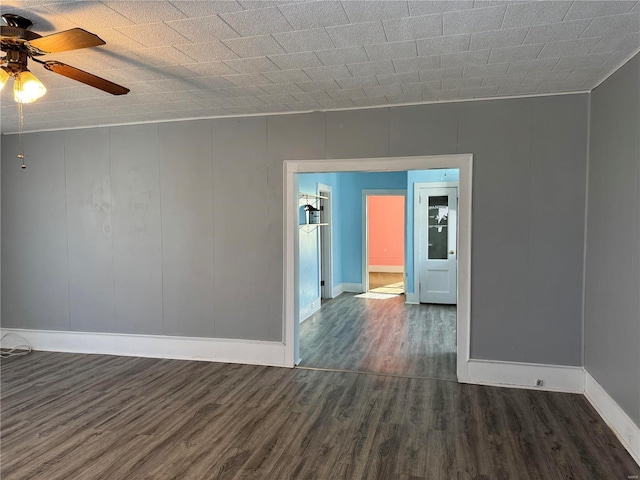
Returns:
<point x="464" y="162"/>
<point x="352" y="287"/>
<point x="337" y="290"/>
<point x="347" y="287"/>
<point x="365" y="227"/>
<point x="319" y="110"/>
<point x="411" y="298"/>
<point x="614" y="416"/>
<point x="585" y="235"/>
<point x="251" y="352"/>
<point x="386" y="268"/>
<point x="309" y="309"/>
<point x="325" y="251"/>
<point x="556" y="378"/>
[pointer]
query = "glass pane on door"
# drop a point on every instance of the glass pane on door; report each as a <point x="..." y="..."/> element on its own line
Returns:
<point x="438" y="227"/>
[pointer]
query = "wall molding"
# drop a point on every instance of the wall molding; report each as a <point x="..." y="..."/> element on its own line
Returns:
<point x="337" y="290"/>
<point x="320" y="110"/>
<point x="347" y="287"/>
<point x="366" y="193"/>
<point x="614" y="416"/>
<point x="556" y="378"/>
<point x="387" y="268"/>
<point x="309" y="309"/>
<point x="411" y="298"/>
<point x="352" y="287"/>
<point x="291" y="169"/>
<point x="251" y="352"/>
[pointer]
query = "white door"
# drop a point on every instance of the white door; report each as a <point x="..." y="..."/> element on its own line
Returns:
<point x="437" y="260"/>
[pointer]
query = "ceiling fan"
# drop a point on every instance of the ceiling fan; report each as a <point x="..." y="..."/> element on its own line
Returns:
<point x="21" y="44"/>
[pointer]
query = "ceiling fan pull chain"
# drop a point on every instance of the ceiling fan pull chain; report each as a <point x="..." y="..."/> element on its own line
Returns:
<point x="20" y="133"/>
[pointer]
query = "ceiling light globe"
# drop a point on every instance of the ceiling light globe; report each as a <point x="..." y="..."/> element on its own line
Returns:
<point x="4" y="78"/>
<point x="27" y="88"/>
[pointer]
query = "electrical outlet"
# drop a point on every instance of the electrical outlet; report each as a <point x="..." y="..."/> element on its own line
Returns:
<point x="539" y="382"/>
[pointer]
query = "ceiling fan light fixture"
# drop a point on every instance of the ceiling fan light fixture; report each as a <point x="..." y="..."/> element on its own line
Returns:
<point x="27" y="88"/>
<point x="4" y="77"/>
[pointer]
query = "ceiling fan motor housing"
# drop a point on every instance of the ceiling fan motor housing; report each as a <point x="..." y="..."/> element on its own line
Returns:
<point x="16" y="32"/>
<point x="13" y="38"/>
<point x="16" y="61"/>
<point x="14" y="20"/>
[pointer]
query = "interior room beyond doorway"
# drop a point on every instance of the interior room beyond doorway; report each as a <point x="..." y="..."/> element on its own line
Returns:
<point x="385" y="232"/>
<point x="349" y="324"/>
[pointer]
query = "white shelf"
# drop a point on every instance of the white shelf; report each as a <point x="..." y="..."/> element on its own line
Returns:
<point x="314" y="201"/>
<point x="307" y="225"/>
<point x="309" y="196"/>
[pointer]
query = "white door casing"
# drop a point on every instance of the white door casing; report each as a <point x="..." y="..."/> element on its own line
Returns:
<point x="436" y="247"/>
<point x="365" y="229"/>
<point x="463" y="162"/>
<point x="326" y="244"/>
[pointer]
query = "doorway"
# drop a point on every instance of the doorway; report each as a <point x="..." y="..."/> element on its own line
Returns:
<point x="463" y="163"/>
<point x="383" y="241"/>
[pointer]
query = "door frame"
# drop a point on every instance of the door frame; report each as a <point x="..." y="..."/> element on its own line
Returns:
<point x="416" y="226"/>
<point x="463" y="162"/>
<point x="365" y="230"/>
<point x="326" y="243"/>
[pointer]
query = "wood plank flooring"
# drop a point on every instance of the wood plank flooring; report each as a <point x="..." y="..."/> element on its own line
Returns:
<point x="71" y="416"/>
<point x="381" y="336"/>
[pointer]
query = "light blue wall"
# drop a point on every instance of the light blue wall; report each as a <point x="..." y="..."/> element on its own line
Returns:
<point x="347" y="223"/>
<point x="346" y="226"/>
<point x="413" y="177"/>
<point x="351" y="186"/>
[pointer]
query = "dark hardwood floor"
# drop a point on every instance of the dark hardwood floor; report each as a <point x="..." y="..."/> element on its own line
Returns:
<point x="381" y="336"/>
<point x="70" y="416"/>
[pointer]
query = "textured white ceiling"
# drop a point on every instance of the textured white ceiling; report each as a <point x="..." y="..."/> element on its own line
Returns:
<point x="192" y="59"/>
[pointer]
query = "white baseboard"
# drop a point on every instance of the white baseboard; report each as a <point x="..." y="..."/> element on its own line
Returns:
<point x="386" y="268"/>
<point x="309" y="309"/>
<point x="411" y="298"/>
<point x="615" y="417"/>
<point x="347" y="287"/>
<point x="555" y="378"/>
<point x="156" y="346"/>
<point x="352" y="287"/>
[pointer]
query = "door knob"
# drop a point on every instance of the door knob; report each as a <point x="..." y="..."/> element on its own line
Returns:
<point x="451" y="252"/>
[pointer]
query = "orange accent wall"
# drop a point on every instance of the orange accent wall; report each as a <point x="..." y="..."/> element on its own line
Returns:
<point x="386" y="230"/>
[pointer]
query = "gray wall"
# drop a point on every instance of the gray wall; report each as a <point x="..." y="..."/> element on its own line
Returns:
<point x="0" y="236"/>
<point x="176" y="228"/>
<point x="612" y="276"/>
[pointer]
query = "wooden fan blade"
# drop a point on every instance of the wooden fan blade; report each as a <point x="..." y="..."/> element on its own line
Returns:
<point x="67" y="40"/>
<point x="84" y="77"/>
